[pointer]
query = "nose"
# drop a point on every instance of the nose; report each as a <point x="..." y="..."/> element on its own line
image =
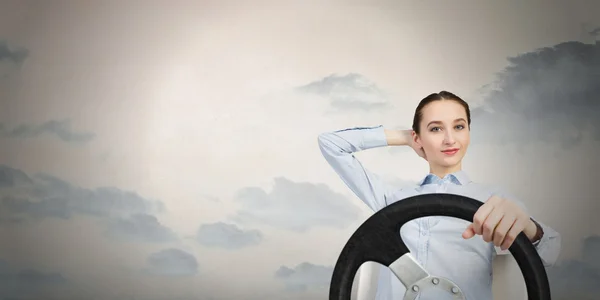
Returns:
<point x="449" y="138"/>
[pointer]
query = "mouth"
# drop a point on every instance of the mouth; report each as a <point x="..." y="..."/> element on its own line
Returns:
<point x="451" y="151"/>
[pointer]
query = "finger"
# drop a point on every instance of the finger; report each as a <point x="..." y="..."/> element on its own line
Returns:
<point x="489" y="226"/>
<point x="469" y="232"/>
<point x="495" y="200"/>
<point x="480" y="217"/>
<point x="512" y="234"/>
<point x="502" y="229"/>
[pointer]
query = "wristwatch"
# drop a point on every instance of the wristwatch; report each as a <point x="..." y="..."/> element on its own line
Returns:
<point x="538" y="234"/>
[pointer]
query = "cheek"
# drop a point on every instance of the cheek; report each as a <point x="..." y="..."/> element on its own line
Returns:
<point x="431" y="142"/>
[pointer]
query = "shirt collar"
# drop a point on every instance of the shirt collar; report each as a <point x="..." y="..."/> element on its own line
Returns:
<point x="458" y="178"/>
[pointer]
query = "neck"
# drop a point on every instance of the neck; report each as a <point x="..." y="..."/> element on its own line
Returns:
<point x="441" y="171"/>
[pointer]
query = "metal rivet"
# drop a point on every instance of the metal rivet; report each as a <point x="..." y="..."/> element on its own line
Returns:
<point x="415" y="288"/>
<point x="435" y="281"/>
<point x="454" y="290"/>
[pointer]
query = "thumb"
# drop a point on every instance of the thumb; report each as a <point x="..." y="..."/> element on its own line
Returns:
<point x="469" y="232"/>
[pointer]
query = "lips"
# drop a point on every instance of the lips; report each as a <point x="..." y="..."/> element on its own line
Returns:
<point x="450" y="151"/>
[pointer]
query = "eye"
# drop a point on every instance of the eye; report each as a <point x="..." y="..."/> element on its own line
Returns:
<point x="435" y="129"/>
<point x="460" y="127"/>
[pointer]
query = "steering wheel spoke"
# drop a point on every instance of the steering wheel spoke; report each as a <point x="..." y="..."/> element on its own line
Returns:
<point x="408" y="270"/>
<point x="416" y="279"/>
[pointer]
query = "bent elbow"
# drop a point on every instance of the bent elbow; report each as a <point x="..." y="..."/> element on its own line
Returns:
<point x="324" y="141"/>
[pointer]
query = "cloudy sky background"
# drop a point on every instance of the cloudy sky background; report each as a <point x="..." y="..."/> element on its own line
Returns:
<point x="154" y="151"/>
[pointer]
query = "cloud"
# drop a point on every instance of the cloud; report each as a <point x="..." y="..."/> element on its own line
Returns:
<point x="16" y="56"/>
<point x="40" y="196"/>
<point x="20" y="282"/>
<point x="227" y="236"/>
<point x="295" y="206"/>
<point x="578" y="279"/>
<point x="591" y="251"/>
<point x="11" y="61"/>
<point x="59" y="129"/>
<point x="350" y="92"/>
<point x="172" y="262"/>
<point x="142" y="228"/>
<point x="549" y="95"/>
<point x="305" y="276"/>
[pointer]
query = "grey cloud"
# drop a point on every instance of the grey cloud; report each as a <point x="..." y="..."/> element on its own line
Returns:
<point x="10" y="177"/>
<point x="227" y="236"/>
<point x="60" y="129"/>
<point x="595" y="32"/>
<point x="44" y="196"/>
<point x="172" y="262"/>
<point x="13" y="55"/>
<point x="350" y="92"/>
<point x="295" y="206"/>
<point x="140" y="228"/>
<point x="578" y="279"/>
<point x="22" y="282"/>
<point x="51" y="208"/>
<point x="591" y="251"/>
<point x="551" y="94"/>
<point x="305" y="276"/>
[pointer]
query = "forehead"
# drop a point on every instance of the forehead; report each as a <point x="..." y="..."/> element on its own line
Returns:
<point x="444" y="110"/>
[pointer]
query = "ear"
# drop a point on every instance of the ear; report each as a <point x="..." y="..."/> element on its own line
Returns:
<point x="416" y="139"/>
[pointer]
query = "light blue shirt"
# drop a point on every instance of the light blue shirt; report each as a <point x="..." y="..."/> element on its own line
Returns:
<point x="436" y="242"/>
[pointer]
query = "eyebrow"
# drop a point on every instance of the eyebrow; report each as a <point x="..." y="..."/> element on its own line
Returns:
<point x="440" y="122"/>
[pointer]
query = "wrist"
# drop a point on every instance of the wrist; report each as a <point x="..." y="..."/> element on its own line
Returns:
<point x="533" y="231"/>
<point x="397" y="137"/>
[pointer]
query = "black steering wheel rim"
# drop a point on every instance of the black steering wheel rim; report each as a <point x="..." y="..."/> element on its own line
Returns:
<point x="378" y="240"/>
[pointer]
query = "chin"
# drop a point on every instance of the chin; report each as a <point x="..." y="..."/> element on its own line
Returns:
<point x="450" y="161"/>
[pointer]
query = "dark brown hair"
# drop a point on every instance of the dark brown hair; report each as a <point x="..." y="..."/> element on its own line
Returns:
<point x="443" y="95"/>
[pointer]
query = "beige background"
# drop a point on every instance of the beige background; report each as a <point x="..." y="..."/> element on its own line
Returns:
<point x="178" y="141"/>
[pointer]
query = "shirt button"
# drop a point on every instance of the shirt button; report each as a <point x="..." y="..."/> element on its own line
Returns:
<point x="424" y="232"/>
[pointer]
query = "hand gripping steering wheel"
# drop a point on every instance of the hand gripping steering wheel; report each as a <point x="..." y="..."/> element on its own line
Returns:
<point x="378" y="239"/>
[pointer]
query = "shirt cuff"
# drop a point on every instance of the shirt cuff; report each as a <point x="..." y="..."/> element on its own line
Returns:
<point x="374" y="137"/>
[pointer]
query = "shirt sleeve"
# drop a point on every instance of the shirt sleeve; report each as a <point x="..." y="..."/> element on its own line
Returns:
<point x="549" y="246"/>
<point x="338" y="147"/>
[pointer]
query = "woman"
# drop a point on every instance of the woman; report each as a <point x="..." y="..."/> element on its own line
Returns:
<point x="445" y="246"/>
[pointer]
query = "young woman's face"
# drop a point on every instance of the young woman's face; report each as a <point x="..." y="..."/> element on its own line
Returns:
<point x="444" y="133"/>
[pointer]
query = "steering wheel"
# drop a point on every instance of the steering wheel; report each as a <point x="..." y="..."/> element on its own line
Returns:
<point x="378" y="239"/>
